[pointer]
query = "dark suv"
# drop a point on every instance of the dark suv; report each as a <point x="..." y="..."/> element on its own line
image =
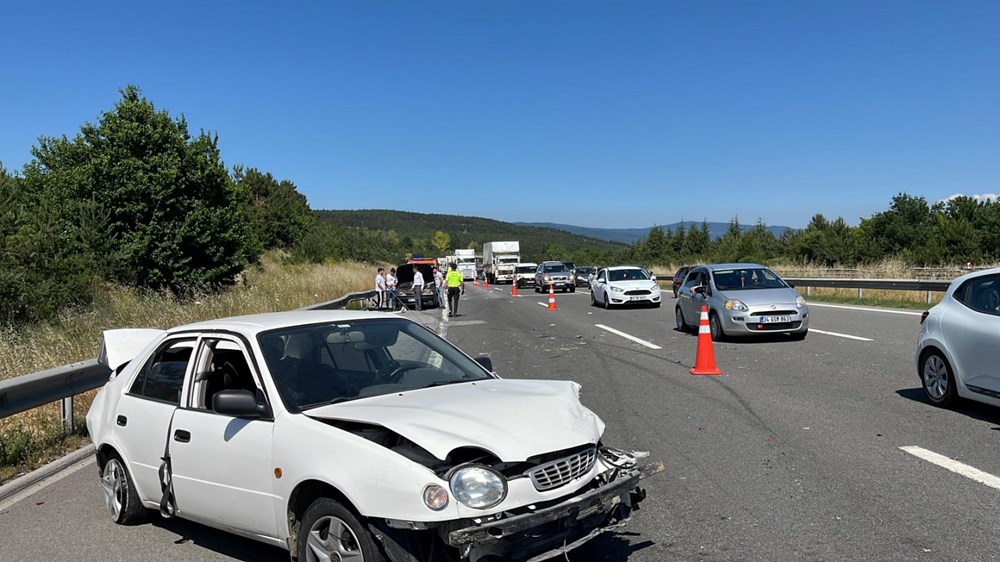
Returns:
<point x="583" y="276"/>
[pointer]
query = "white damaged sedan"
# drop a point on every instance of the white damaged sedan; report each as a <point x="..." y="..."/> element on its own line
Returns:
<point x="352" y="436"/>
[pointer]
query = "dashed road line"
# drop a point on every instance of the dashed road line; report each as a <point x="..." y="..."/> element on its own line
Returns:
<point x="627" y="336"/>
<point x="866" y="309"/>
<point x="954" y="466"/>
<point x="839" y="335"/>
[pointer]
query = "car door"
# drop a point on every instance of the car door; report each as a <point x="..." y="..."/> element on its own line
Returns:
<point x="686" y="296"/>
<point x="600" y="286"/>
<point x="973" y="333"/>
<point x="144" y="411"/>
<point x="221" y="465"/>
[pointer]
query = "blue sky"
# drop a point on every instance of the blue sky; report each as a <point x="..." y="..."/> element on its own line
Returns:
<point x="603" y="114"/>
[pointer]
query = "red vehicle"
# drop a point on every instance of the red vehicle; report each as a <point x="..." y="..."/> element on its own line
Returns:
<point x="679" y="277"/>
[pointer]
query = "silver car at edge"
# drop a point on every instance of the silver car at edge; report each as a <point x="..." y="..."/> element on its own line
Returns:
<point x="743" y="299"/>
<point x="958" y="350"/>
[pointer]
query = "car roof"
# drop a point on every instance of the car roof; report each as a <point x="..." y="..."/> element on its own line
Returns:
<point x="253" y="324"/>
<point x="526" y="263"/>
<point x="619" y="267"/>
<point x="715" y="266"/>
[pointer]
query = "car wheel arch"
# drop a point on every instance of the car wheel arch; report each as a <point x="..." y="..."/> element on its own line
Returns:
<point x="302" y="496"/>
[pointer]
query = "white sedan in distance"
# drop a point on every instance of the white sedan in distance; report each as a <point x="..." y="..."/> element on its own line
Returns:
<point x="622" y="285"/>
<point x="352" y="436"/>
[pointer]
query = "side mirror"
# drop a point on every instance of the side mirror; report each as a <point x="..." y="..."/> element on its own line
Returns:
<point x="237" y="403"/>
<point x="792" y="285"/>
<point x="653" y="277"/>
<point x="486" y="362"/>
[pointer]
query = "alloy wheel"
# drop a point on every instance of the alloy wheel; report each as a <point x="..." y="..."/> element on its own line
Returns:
<point x="331" y="539"/>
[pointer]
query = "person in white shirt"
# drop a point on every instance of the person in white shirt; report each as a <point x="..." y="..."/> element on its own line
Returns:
<point x="390" y="288"/>
<point x="418" y="287"/>
<point x="380" y="288"/>
<point x="439" y="286"/>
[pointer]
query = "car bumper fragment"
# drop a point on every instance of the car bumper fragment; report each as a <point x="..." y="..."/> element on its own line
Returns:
<point x="579" y="519"/>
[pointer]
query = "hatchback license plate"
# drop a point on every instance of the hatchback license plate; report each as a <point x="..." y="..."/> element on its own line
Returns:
<point x="774" y="319"/>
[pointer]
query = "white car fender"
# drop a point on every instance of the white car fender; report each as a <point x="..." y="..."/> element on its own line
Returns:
<point x="377" y="481"/>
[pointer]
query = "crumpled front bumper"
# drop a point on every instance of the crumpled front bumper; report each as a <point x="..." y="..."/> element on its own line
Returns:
<point x="558" y="528"/>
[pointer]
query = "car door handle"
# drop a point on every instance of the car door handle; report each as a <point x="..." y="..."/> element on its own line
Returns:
<point x="182" y="436"/>
<point x="121" y="420"/>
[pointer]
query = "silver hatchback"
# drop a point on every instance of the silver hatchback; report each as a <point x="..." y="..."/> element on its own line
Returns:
<point x="743" y="299"/>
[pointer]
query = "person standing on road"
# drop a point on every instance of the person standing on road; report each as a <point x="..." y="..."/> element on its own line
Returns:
<point x="439" y="286"/>
<point x="456" y="286"/>
<point x="418" y="287"/>
<point x="390" y="288"/>
<point x="380" y="288"/>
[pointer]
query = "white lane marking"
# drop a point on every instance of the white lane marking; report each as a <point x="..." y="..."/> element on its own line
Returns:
<point x="848" y="336"/>
<point x="628" y="337"/>
<point x="954" y="466"/>
<point x="866" y="309"/>
<point x="542" y="304"/>
<point x="467" y="322"/>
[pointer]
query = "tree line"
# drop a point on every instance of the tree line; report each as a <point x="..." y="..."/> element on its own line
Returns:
<point x="137" y="199"/>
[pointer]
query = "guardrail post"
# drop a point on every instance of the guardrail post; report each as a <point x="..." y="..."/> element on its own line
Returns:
<point x="861" y="293"/>
<point x="809" y="291"/>
<point x="67" y="414"/>
<point x="928" y="297"/>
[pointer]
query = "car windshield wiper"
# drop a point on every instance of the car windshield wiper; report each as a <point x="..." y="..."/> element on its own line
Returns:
<point x="443" y="383"/>
<point x="336" y="400"/>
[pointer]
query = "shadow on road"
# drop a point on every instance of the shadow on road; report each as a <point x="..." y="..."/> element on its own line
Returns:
<point x="608" y="547"/>
<point x="975" y="410"/>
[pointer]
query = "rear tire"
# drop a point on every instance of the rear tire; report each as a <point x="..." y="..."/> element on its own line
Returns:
<point x="607" y="301"/>
<point x="329" y="531"/>
<point x="593" y="301"/>
<point x="679" y="322"/>
<point x="937" y="379"/>
<point x="120" y="496"/>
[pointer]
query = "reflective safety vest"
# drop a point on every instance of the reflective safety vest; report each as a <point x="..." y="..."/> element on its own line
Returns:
<point x="454" y="279"/>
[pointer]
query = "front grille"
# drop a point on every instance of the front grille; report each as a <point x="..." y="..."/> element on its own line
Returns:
<point x="775" y="326"/>
<point x="638" y="292"/>
<point x="561" y="471"/>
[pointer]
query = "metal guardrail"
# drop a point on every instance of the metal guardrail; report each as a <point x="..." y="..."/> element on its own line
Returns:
<point x="861" y="284"/>
<point x="26" y="392"/>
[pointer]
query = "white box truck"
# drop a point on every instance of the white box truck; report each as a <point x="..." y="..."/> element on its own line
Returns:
<point x="499" y="259"/>
<point x="466" y="260"/>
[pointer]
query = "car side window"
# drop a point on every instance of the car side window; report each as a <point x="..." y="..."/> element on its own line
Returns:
<point x="693" y="279"/>
<point x="981" y="294"/>
<point x="222" y="365"/>
<point x="603" y="275"/>
<point x="163" y="375"/>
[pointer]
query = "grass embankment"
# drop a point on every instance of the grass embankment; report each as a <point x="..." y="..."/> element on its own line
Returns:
<point x="36" y="436"/>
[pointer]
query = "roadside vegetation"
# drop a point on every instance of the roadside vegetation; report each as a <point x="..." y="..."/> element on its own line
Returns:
<point x="33" y="437"/>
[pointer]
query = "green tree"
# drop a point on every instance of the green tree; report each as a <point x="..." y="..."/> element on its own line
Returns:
<point x="173" y="221"/>
<point x="279" y="215"/>
<point x="441" y="242"/>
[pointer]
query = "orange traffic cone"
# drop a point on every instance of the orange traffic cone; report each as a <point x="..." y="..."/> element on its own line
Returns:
<point x="552" y="298"/>
<point x="486" y="283"/>
<point x="513" y="288"/>
<point x="704" y="363"/>
<point x="474" y="281"/>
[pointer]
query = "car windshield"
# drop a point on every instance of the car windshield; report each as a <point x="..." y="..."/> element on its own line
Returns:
<point x="627" y="275"/>
<point x="746" y="278"/>
<point x="554" y="268"/>
<point x="322" y="364"/>
<point x="525" y="269"/>
<point x="584" y="270"/>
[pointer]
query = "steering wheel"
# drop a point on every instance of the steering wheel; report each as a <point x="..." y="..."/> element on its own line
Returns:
<point x="396" y="375"/>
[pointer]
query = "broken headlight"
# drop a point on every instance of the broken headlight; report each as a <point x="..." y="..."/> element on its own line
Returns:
<point x="478" y="486"/>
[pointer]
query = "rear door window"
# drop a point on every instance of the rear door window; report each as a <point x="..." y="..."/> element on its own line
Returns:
<point x="162" y="377"/>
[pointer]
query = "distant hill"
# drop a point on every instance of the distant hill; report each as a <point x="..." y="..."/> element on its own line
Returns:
<point x="630" y="235"/>
<point x="464" y="230"/>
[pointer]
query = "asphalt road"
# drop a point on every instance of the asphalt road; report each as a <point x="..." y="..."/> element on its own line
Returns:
<point x="793" y="454"/>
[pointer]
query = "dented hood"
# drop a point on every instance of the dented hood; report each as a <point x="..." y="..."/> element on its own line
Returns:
<point x="513" y="419"/>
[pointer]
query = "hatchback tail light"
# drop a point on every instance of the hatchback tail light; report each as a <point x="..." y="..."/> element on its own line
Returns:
<point x="924" y="317"/>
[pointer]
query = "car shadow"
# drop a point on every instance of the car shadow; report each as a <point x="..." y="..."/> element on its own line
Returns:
<point x="749" y="340"/>
<point x="221" y="542"/>
<point x="975" y="410"/>
<point x="610" y="547"/>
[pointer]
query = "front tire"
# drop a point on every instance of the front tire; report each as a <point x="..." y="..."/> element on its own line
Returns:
<point x="715" y="326"/>
<point x="799" y="336"/>
<point x="937" y="379"/>
<point x="572" y="289"/>
<point x="120" y="496"/>
<point x="330" y="531"/>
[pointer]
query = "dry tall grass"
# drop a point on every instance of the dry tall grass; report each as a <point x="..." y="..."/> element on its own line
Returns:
<point x="33" y="436"/>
